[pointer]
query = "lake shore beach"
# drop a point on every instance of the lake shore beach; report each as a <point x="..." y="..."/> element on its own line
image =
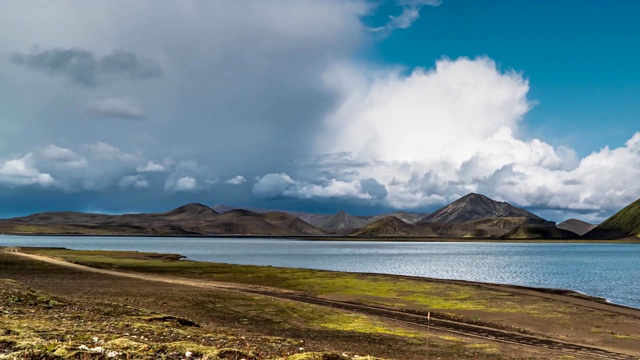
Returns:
<point x="329" y="312"/>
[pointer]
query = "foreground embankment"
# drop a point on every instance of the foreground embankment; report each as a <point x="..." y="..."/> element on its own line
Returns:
<point x="141" y="305"/>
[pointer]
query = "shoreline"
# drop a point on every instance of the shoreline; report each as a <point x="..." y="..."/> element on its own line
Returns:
<point x="343" y="238"/>
<point x="386" y="315"/>
<point x="555" y="293"/>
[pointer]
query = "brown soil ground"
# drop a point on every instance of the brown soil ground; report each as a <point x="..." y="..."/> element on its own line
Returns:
<point x="590" y="332"/>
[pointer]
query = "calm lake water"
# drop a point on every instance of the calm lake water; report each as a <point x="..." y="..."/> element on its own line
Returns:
<point x="611" y="271"/>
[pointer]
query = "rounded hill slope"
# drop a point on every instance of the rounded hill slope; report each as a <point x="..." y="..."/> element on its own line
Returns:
<point x="624" y="223"/>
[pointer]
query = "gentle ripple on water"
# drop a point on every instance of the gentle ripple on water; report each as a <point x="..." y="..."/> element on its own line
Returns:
<point x="605" y="270"/>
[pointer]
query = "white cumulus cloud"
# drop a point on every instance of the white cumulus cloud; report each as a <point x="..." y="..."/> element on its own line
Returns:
<point x="237" y="180"/>
<point x="21" y="171"/>
<point x="426" y="114"/>
<point x="273" y="185"/>
<point x="63" y="156"/>
<point x="133" y="181"/>
<point x="282" y="185"/>
<point x="152" y="167"/>
<point x="104" y="151"/>
<point x="186" y="183"/>
<point x="433" y="135"/>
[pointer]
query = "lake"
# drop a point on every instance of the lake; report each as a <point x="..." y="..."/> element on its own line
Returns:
<point x="610" y="271"/>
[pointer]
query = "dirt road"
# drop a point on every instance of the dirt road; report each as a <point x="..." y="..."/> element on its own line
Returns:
<point x="434" y="321"/>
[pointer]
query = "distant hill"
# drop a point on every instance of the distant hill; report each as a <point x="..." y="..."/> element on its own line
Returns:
<point x="341" y="221"/>
<point x="391" y="226"/>
<point x="314" y="219"/>
<point x="475" y="207"/>
<point x="222" y="208"/>
<point x="195" y="219"/>
<point x="189" y="211"/>
<point x="311" y="218"/>
<point x="577" y="226"/>
<point x="624" y="223"/>
<point x="59" y="217"/>
<point x="529" y="231"/>
<point x="323" y="219"/>
<point x="240" y="221"/>
<point x="471" y="216"/>
<point x="408" y="217"/>
<point x="483" y="228"/>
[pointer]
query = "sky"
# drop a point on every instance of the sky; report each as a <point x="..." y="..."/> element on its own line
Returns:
<point x="359" y="105"/>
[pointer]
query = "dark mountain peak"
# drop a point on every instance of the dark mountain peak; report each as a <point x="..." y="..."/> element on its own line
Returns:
<point x="473" y="198"/>
<point x="386" y="221"/>
<point x="190" y="211"/>
<point x="475" y="207"/>
<point x="241" y="221"/>
<point x="194" y="208"/>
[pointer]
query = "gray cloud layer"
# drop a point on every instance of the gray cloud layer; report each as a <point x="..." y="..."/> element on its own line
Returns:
<point x="115" y="108"/>
<point x="85" y="68"/>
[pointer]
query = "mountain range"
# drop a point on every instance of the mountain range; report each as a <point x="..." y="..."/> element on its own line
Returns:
<point x="471" y="216"/>
<point x="190" y="219"/>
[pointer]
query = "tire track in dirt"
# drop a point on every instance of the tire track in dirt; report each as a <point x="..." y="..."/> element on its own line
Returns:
<point x="457" y="327"/>
<point x="433" y="322"/>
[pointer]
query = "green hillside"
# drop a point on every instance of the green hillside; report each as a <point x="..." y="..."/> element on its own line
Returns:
<point x="538" y="232"/>
<point x="624" y="223"/>
<point x="391" y="226"/>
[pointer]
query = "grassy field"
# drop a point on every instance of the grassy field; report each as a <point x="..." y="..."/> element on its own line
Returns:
<point x="49" y="310"/>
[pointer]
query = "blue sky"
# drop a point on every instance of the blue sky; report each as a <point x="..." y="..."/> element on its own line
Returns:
<point x="367" y="106"/>
<point x="580" y="58"/>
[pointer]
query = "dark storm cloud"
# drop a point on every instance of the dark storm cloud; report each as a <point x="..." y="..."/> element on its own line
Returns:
<point x="374" y="188"/>
<point x="85" y="68"/>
